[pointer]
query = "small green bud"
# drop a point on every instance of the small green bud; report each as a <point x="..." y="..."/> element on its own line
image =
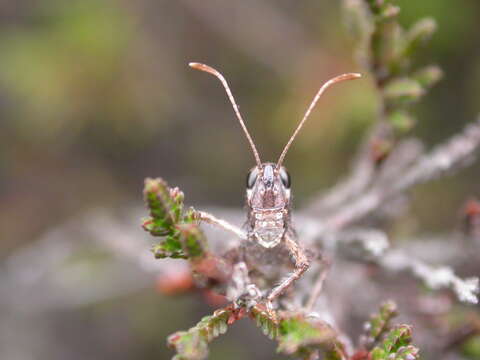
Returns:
<point x="403" y="91"/>
<point x="192" y="240"/>
<point x="358" y="20"/>
<point x="388" y="13"/>
<point x="409" y="352"/>
<point x="402" y="121"/>
<point x="428" y="76"/>
<point x="401" y="335"/>
<point x="418" y="34"/>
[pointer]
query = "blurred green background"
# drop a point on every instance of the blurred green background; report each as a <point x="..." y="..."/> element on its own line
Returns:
<point x="96" y="95"/>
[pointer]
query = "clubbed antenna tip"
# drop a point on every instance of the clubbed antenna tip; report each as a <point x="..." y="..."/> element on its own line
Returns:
<point x="203" y="67"/>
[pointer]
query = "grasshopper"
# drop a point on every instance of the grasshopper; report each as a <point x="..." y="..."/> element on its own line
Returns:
<point x="270" y="243"/>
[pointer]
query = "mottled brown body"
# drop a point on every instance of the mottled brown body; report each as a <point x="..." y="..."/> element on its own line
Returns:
<point x="267" y="266"/>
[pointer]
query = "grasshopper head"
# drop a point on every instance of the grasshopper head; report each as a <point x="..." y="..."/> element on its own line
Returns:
<point x="268" y="198"/>
<point x="268" y="188"/>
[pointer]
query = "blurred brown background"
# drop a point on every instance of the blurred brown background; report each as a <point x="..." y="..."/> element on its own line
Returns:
<point x="96" y="95"/>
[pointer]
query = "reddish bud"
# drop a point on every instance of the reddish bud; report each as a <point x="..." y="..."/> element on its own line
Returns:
<point x="175" y="283"/>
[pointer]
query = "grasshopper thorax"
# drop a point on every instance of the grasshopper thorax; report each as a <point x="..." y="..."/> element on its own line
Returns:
<point x="268" y="202"/>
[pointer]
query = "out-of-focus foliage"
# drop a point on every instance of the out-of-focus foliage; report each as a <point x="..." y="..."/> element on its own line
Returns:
<point x="390" y="52"/>
<point x="192" y="344"/>
<point x="96" y="95"/>
<point x="396" y="345"/>
<point x="300" y="336"/>
<point x="471" y="348"/>
<point x="65" y="69"/>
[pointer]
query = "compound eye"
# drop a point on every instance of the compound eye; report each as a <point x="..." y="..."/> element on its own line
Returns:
<point x="285" y="177"/>
<point x="252" y="177"/>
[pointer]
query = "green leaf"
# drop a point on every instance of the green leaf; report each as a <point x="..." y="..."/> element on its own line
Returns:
<point x="403" y="91"/>
<point x="186" y="242"/>
<point x="189" y="346"/>
<point x="388" y="12"/>
<point x="378" y="354"/>
<point x="401" y="120"/>
<point x="190" y="216"/>
<point x="377" y="6"/>
<point x="192" y="240"/>
<point x="183" y="237"/>
<point x="471" y="347"/>
<point x="407" y="353"/>
<point x="418" y="35"/>
<point x="265" y="321"/>
<point x="396" y="346"/>
<point x="388" y="51"/>
<point x="193" y="344"/>
<point x="302" y="336"/>
<point x="380" y="323"/>
<point x="428" y="76"/>
<point x="165" y="206"/>
<point x="357" y="18"/>
<point x="170" y="247"/>
<point x="399" y="336"/>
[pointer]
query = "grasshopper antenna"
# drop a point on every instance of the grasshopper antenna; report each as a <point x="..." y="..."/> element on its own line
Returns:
<point x="343" y="77"/>
<point x="220" y="77"/>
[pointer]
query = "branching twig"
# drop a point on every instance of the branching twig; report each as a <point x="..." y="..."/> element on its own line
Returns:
<point x="434" y="277"/>
<point x="456" y="152"/>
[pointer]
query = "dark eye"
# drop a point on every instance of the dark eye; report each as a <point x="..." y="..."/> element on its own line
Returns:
<point x="252" y="178"/>
<point x="285" y="176"/>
